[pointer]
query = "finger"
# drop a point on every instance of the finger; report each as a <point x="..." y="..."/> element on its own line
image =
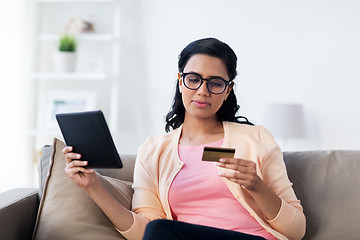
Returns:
<point x="76" y="170"/>
<point x="77" y="163"/>
<point x="235" y="178"/>
<point x="71" y="156"/>
<point x="251" y="170"/>
<point x="232" y="174"/>
<point x="236" y="164"/>
<point x="241" y="182"/>
<point x="67" y="149"/>
<point x="237" y="161"/>
<point x="239" y="175"/>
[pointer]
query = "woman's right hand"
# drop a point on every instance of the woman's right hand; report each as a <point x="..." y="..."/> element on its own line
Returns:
<point x="75" y="168"/>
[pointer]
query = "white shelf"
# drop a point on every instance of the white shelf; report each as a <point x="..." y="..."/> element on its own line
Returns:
<point x="103" y="45"/>
<point x="80" y="37"/>
<point x="68" y="76"/>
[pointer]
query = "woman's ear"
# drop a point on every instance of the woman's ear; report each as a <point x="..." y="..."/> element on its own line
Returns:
<point x="231" y="85"/>
<point x="180" y="82"/>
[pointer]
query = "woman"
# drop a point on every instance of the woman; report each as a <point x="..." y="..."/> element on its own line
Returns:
<point x="245" y="197"/>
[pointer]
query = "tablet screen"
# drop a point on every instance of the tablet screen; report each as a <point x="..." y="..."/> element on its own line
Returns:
<point x="89" y="135"/>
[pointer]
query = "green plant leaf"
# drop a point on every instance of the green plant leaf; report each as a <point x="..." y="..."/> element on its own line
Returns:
<point x="67" y="43"/>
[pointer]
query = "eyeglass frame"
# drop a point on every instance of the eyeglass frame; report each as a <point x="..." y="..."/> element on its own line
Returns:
<point x="227" y="83"/>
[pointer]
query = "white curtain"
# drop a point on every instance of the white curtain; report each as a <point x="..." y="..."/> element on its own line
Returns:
<point x="15" y="168"/>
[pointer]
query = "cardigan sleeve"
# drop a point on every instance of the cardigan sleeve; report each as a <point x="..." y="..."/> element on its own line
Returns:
<point x="290" y="221"/>
<point x="146" y="205"/>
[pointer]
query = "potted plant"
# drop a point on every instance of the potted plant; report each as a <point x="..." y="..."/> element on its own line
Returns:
<point x="65" y="56"/>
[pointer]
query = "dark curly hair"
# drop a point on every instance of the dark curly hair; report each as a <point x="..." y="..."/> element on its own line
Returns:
<point x="215" y="48"/>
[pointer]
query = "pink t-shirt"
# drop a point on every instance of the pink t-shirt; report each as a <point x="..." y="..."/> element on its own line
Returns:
<point x="199" y="195"/>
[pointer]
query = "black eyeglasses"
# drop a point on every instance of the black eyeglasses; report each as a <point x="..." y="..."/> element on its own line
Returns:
<point x="215" y="85"/>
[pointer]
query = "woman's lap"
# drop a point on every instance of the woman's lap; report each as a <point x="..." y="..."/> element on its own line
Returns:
<point x="169" y="229"/>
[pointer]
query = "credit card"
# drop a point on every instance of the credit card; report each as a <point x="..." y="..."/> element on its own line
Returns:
<point x="214" y="154"/>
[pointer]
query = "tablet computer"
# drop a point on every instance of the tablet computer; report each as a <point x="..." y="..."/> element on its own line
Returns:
<point x="89" y="135"/>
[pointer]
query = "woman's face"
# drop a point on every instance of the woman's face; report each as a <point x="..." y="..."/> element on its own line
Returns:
<point x="201" y="103"/>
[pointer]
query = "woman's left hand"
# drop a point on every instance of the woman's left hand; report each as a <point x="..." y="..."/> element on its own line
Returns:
<point x="244" y="172"/>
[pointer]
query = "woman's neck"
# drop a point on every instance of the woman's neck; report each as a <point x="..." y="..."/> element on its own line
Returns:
<point x="201" y="131"/>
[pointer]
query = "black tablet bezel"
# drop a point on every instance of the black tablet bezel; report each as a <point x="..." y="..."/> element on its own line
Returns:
<point x="89" y="135"/>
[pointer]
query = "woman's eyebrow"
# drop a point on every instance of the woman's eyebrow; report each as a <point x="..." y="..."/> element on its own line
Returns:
<point x="210" y="77"/>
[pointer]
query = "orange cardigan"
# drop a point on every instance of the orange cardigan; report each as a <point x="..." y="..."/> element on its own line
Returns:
<point x="158" y="163"/>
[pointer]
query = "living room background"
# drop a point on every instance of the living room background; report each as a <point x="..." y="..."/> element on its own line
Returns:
<point x="304" y="52"/>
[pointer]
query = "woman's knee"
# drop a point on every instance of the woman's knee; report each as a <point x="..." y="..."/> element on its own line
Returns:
<point x="157" y="224"/>
<point x="156" y="229"/>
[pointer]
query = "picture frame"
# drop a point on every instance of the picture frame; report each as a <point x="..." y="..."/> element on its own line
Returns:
<point x="63" y="101"/>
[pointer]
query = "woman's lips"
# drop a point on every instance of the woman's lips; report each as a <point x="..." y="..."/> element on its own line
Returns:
<point x="200" y="104"/>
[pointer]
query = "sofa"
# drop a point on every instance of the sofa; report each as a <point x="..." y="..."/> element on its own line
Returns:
<point x="326" y="182"/>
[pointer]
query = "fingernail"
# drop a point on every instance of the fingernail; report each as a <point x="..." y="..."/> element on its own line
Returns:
<point x="219" y="164"/>
<point x="84" y="162"/>
<point x="222" y="160"/>
<point x="78" y="156"/>
<point x="220" y="174"/>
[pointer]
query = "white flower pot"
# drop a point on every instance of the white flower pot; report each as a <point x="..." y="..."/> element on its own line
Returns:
<point x="64" y="61"/>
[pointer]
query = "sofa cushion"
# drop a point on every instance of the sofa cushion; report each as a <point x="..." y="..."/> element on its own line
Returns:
<point x="43" y="168"/>
<point x="66" y="212"/>
<point x="18" y="208"/>
<point x="326" y="182"/>
<point x="125" y="173"/>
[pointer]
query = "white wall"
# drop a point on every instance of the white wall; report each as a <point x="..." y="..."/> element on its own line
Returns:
<point x="289" y="51"/>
